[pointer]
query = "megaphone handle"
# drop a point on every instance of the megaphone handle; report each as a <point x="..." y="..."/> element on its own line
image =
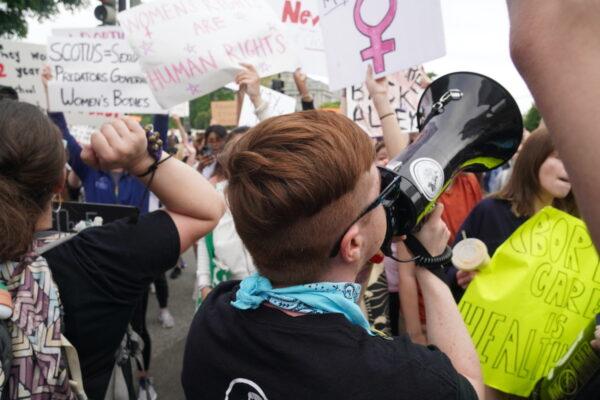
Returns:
<point x="424" y="259"/>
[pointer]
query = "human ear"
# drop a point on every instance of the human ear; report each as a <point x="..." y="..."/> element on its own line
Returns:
<point x="351" y="245"/>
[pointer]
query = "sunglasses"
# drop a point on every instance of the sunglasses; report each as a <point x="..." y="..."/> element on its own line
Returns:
<point x="389" y="194"/>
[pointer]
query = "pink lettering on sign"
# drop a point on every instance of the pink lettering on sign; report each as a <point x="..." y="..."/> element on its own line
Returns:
<point x="171" y="74"/>
<point x="256" y="47"/>
<point x="379" y="47"/>
<point x="295" y="14"/>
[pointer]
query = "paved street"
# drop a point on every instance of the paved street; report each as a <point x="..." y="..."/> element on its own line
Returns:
<point x="168" y="344"/>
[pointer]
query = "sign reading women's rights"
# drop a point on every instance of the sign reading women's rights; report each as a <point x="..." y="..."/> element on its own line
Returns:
<point x="189" y="48"/>
<point x="526" y="308"/>
<point x="302" y="25"/>
<point x="20" y="65"/>
<point x="390" y="35"/>
<point x="97" y="75"/>
<point x="404" y="92"/>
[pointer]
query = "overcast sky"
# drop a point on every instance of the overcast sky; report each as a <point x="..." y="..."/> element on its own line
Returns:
<point x="476" y="40"/>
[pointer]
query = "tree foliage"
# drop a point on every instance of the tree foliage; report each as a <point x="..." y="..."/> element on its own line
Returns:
<point x="532" y="118"/>
<point x="13" y="13"/>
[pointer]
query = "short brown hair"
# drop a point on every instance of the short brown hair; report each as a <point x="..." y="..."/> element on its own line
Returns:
<point x="291" y="190"/>
<point x="524" y="183"/>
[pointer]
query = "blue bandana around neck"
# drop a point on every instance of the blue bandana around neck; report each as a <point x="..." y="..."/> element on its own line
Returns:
<point x="312" y="298"/>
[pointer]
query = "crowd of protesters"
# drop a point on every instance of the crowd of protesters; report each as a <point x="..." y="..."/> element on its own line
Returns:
<point x="282" y="260"/>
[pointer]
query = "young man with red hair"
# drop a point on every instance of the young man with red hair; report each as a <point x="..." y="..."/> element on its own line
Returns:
<point x="306" y="199"/>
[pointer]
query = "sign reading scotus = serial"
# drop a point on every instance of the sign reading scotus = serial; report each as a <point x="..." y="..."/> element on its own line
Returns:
<point x="97" y="75"/>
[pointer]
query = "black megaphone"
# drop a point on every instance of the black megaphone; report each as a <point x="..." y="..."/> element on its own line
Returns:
<point x="468" y="122"/>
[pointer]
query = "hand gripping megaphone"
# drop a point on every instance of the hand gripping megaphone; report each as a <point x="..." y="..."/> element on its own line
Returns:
<point x="468" y="122"/>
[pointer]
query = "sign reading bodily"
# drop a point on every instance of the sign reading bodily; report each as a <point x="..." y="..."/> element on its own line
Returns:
<point x="20" y="65"/>
<point x="404" y="93"/>
<point x="97" y="75"/>
<point x="189" y="48"/>
<point x="526" y="308"/>
<point x="390" y="35"/>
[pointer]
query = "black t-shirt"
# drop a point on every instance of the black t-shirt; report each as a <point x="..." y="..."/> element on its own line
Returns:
<point x="100" y="274"/>
<point x="491" y="221"/>
<point x="266" y="354"/>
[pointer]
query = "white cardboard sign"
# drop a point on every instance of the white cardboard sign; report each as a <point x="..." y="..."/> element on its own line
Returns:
<point x="20" y="65"/>
<point x="115" y="33"/>
<point x="302" y="26"/>
<point x="404" y="93"/>
<point x="279" y="104"/>
<point x="390" y="35"/>
<point x="189" y="48"/>
<point x="97" y="75"/>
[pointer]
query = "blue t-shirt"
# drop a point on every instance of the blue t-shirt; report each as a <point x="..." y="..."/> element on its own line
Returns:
<point x="99" y="186"/>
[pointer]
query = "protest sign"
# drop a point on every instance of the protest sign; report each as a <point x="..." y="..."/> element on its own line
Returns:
<point x="404" y="93"/>
<point x="20" y="65"/>
<point x="390" y="35"/>
<point x="116" y="33"/>
<point x="99" y="75"/>
<point x="302" y="26"/>
<point x="100" y="32"/>
<point x="278" y="104"/>
<point x="189" y="48"/>
<point x="526" y="308"/>
<point x="224" y="113"/>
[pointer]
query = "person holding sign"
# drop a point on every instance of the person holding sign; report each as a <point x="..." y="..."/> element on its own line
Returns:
<point x="538" y="180"/>
<point x="296" y="186"/>
<point x="97" y="276"/>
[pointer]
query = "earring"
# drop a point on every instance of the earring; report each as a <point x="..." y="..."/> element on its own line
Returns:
<point x="59" y="201"/>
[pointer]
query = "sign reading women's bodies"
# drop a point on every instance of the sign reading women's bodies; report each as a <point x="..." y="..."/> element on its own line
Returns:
<point x="390" y="35"/>
<point x="278" y="104"/>
<point x="526" y="308"/>
<point x="189" y="48"/>
<point x="20" y="65"/>
<point x="302" y="26"/>
<point x="97" y="75"/>
<point x="116" y="33"/>
<point x="404" y="93"/>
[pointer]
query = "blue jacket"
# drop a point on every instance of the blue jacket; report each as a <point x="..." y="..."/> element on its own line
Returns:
<point x="99" y="186"/>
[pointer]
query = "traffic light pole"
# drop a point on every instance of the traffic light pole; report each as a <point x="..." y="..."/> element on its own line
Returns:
<point x="122" y="5"/>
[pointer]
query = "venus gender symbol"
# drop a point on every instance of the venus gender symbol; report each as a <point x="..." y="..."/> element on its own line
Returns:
<point x="378" y="47"/>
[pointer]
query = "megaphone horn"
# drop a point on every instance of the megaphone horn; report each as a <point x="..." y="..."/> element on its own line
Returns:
<point x="468" y="122"/>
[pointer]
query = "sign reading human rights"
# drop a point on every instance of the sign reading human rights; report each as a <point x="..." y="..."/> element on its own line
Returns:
<point x="404" y="92"/>
<point x="97" y="75"/>
<point x="390" y="35"/>
<point x="526" y="308"/>
<point x="20" y="65"/>
<point x="189" y="48"/>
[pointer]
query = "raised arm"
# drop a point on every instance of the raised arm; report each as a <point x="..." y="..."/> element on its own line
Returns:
<point x="409" y="296"/>
<point x="192" y="202"/>
<point x="395" y="140"/>
<point x="555" y="45"/>
<point x="306" y="98"/>
<point x="249" y="82"/>
<point x="445" y="326"/>
<point x="80" y="168"/>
